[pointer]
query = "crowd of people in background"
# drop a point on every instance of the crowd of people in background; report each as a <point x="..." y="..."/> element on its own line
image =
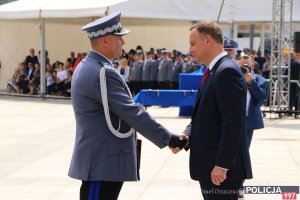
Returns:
<point x="262" y="66"/>
<point x="141" y="69"/>
<point x="151" y="69"/>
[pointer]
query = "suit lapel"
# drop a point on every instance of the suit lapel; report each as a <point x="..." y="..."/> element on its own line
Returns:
<point x="207" y="81"/>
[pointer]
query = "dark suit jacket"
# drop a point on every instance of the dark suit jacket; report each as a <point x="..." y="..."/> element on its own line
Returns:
<point x="258" y="92"/>
<point x="217" y="130"/>
<point x="27" y="69"/>
<point x="31" y="59"/>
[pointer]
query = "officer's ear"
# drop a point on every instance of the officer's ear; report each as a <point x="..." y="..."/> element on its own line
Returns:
<point x="104" y="41"/>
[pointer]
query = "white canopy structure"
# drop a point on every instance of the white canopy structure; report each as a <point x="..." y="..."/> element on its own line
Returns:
<point x="32" y="9"/>
<point x="194" y="10"/>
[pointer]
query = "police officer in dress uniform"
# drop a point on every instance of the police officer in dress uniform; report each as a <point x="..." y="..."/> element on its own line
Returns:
<point x="188" y="66"/>
<point x="147" y="71"/>
<point x="164" y="66"/>
<point x="229" y="46"/>
<point x="154" y="69"/>
<point x="137" y="72"/>
<point x="177" y="69"/>
<point x="107" y="118"/>
<point x="170" y="69"/>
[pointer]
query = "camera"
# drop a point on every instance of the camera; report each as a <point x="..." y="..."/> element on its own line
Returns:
<point x="246" y="69"/>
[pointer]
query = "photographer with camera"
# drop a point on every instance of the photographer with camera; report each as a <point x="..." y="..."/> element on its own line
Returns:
<point x="256" y="94"/>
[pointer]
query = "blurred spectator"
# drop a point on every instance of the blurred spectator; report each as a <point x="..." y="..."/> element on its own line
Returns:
<point x="125" y="69"/>
<point x="260" y="60"/>
<point x="78" y="60"/>
<point x="229" y="46"/>
<point x="34" y="84"/>
<point x="140" y="48"/>
<point x="28" y="76"/>
<point x="188" y="66"/>
<point x="176" y="70"/>
<point x="62" y="75"/>
<point x="50" y="82"/>
<point x="137" y="71"/>
<point x="294" y="88"/>
<point x="146" y="83"/>
<point x="13" y="84"/>
<point x="266" y="67"/>
<point x="31" y="57"/>
<point x="163" y="71"/>
<point x="246" y="51"/>
<point x="46" y="57"/>
<point x="117" y="65"/>
<point x="72" y="58"/>
<point x="130" y="58"/>
<point x="238" y="55"/>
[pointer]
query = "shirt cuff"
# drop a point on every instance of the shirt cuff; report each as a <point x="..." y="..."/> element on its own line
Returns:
<point x="222" y="168"/>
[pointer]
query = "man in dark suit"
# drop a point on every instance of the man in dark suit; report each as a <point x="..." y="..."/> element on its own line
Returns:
<point x="31" y="58"/>
<point x="219" y="156"/>
<point x="294" y="88"/>
<point x="107" y="118"/>
<point x="72" y="58"/>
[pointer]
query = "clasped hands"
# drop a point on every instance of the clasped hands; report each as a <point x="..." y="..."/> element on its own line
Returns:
<point x="179" y="142"/>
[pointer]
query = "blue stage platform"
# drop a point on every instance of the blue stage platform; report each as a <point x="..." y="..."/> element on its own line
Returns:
<point x="166" y="97"/>
<point x="184" y="97"/>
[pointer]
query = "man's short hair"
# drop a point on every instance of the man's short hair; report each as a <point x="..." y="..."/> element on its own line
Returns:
<point x="209" y="28"/>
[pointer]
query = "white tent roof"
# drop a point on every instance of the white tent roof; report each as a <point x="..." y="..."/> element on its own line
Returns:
<point x="31" y="9"/>
<point x="195" y="10"/>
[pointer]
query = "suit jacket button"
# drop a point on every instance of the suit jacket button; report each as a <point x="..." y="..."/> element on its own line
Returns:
<point x="121" y="150"/>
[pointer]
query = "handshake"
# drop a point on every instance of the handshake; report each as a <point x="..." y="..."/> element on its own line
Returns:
<point x="179" y="142"/>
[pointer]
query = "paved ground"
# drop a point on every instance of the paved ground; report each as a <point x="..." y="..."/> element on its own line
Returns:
<point x="36" y="141"/>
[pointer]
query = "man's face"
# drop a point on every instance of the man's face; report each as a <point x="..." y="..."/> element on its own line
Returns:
<point x="198" y="46"/>
<point x="178" y="58"/>
<point x="149" y="56"/>
<point x="230" y="52"/>
<point x="31" y="51"/>
<point x="115" y="44"/>
<point x="243" y="62"/>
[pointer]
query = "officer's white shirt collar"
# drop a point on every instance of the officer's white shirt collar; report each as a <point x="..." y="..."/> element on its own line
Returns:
<point x="109" y="61"/>
<point x="215" y="60"/>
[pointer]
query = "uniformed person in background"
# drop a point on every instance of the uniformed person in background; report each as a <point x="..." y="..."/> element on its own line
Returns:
<point x="197" y="66"/>
<point x="163" y="67"/>
<point x="176" y="70"/>
<point x="154" y="72"/>
<point x="107" y="118"/>
<point x="229" y="47"/>
<point x="188" y="66"/>
<point x="146" y="81"/>
<point x="137" y="72"/>
<point x="170" y="69"/>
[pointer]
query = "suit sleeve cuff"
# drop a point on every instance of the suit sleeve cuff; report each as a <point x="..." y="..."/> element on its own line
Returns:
<point x="222" y="168"/>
